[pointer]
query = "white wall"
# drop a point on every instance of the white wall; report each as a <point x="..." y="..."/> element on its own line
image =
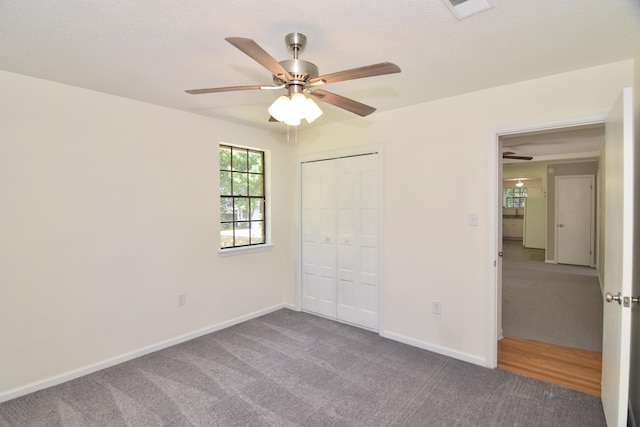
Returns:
<point x="109" y="210"/>
<point x="429" y="251"/>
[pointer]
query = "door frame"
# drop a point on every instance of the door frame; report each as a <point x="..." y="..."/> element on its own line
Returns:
<point x="493" y="325"/>
<point x="330" y="155"/>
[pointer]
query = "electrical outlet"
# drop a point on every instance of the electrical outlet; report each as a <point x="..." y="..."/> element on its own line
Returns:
<point x="182" y="299"/>
<point x="437" y="307"/>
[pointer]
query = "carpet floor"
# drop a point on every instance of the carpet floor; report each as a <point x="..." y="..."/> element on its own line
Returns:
<point x="551" y="303"/>
<point x="296" y="369"/>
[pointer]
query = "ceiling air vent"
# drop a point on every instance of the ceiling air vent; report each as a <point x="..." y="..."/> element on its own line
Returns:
<point x="465" y="8"/>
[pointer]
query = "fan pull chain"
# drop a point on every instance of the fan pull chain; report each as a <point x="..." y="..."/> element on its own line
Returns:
<point x="295" y="129"/>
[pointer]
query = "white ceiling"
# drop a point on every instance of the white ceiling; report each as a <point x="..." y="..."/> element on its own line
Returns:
<point x="152" y="50"/>
<point x="574" y="143"/>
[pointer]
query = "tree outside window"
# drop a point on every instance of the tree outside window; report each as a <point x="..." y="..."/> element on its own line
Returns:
<point x="514" y="197"/>
<point x="242" y="197"/>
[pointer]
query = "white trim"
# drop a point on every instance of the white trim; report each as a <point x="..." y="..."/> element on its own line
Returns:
<point x="493" y="324"/>
<point x="94" y="367"/>
<point x="493" y="198"/>
<point x="465" y="357"/>
<point x="240" y="250"/>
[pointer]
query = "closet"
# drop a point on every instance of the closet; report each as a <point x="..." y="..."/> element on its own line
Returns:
<point x="340" y="239"/>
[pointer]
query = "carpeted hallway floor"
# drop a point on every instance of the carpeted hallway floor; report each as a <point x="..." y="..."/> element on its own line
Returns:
<point x="295" y="369"/>
<point x="550" y="303"/>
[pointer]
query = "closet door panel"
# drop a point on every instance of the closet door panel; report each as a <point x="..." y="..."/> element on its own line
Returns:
<point x="340" y="239"/>
<point x="357" y="205"/>
<point x="318" y="236"/>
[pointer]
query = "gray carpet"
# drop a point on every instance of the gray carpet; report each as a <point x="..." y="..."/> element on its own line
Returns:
<point x="551" y="303"/>
<point x="295" y="369"/>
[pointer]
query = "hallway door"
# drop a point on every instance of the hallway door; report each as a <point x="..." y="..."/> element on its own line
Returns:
<point x="575" y="203"/>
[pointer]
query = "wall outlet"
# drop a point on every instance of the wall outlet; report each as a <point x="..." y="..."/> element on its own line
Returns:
<point x="437" y="307"/>
<point x="182" y="299"/>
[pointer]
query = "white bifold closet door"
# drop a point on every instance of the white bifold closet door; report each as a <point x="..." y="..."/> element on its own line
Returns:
<point x="340" y="239"/>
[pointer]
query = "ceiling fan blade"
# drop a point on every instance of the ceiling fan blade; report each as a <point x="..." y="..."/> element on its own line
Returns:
<point x="357" y="73"/>
<point x="342" y="102"/>
<point x="223" y="89"/>
<point x="258" y="54"/>
<point x="509" y="156"/>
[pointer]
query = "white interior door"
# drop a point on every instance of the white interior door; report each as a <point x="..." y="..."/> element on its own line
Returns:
<point x="357" y="238"/>
<point x="340" y="276"/>
<point x="574" y="219"/>
<point x="618" y="258"/>
<point x="318" y="238"/>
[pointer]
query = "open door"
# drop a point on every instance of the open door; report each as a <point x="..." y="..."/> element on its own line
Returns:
<point x="618" y="259"/>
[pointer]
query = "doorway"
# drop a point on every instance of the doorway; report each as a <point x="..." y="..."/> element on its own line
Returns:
<point x="537" y="295"/>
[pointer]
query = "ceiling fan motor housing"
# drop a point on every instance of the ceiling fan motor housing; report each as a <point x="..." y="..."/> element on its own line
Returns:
<point x="300" y="70"/>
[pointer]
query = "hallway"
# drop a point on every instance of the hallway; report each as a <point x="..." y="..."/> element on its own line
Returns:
<point x="552" y="320"/>
<point x="550" y="303"/>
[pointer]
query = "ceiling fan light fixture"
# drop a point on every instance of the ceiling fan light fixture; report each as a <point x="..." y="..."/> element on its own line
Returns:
<point x="292" y="120"/>
<point x="291" y="110"/>
<point x="279" y="110"/>
<point x="312" y="111"/>
<point x="298" y="103"/>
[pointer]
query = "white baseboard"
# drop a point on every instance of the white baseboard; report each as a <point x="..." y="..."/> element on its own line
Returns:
<point x="94" y="367"/>
<point x="465" y="357"/>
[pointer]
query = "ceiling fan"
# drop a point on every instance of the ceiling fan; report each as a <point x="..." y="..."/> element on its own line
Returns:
<point x="301" y="77"/>
<point x="512" y="155"/>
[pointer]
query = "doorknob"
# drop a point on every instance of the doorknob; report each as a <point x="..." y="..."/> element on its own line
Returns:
<point x="609" y="297"/>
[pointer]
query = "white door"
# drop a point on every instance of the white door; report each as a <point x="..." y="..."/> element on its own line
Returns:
<point x="618" y="259"/>
<point x="340" y="239"/>
<point x="574" y="219"/>
<point x="357" y="238"/>
<point x="318" y="238"/>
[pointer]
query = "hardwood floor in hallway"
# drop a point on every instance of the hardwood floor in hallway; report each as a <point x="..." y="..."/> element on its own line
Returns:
<point x="568" y="367"/>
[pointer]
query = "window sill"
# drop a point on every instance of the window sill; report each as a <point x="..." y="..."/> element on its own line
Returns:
<point x="245" y="250"/>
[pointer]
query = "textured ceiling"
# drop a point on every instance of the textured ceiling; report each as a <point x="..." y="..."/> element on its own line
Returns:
<point x="153" y="50"/>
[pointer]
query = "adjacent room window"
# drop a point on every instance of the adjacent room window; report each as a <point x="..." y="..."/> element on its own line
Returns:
<point x="514" y="197"/>
<point x="242" y="197"/>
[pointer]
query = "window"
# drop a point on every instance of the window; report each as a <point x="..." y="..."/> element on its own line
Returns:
<point x="242" y="197"/>
<point x="514" y="197"/>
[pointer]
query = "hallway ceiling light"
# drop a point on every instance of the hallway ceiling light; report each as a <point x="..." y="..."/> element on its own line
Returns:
<point x="519" y="183"/>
